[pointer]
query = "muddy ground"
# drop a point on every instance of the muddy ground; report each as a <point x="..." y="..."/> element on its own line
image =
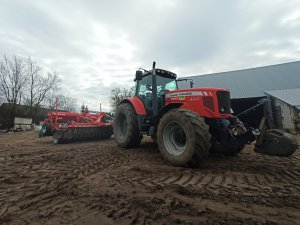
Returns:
<point x="97" y="183"/>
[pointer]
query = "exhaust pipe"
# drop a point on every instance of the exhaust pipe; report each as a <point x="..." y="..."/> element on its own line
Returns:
<point x="154" y="91"/>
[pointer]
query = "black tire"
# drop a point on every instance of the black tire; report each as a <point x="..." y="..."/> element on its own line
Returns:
<point x="58" y="136"/>
<point x="125" y="126"/>
<point x="232" y="147"/>
<point x="228" y="149"/>
<point x="69" y="134"/>
<point x="46" y="130"/>
<point x="183" y="137"/>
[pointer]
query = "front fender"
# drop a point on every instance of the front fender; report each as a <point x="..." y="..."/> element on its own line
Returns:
<point x="137" y="104"/>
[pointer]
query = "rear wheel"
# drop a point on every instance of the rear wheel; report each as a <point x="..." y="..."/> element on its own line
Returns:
<point x="126" y="129"/>
<point x="183" y="137"/>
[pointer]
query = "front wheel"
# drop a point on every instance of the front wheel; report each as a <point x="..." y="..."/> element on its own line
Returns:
<point x="183" y="137"/>
<point x="125" y="126"/>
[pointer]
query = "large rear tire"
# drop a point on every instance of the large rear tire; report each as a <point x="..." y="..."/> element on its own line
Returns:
<point x="125" y="125"/>
<point x="183" y="137"/>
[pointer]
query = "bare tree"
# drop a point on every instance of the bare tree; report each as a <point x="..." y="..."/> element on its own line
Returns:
<point x="117" y="95"/>
<point x="67" y="103"/>
<point x="39" y="86"/>
<point x="13" y="81"/>
<point x="2" y="99"/>
<point x="64" y="102"/>
<point x="50" y="100"/>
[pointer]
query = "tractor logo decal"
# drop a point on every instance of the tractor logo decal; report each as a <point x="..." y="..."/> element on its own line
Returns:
<point x="190" y="93"/>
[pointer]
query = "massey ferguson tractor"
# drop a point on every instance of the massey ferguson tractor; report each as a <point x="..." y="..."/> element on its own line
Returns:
<point x="189" y="123"/>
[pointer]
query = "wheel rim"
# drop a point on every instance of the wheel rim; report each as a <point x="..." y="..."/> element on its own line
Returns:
<point x="122" y="125"/>
<point x="174" y="138"/>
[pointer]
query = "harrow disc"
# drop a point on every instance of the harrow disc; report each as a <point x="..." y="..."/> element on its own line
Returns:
<point x="72" y="134"/>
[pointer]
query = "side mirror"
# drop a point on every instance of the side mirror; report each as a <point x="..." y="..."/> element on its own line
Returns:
<point x="191" y="83"/>
<point x="138" y="75"/>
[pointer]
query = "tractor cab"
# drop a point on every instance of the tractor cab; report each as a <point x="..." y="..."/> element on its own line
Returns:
<point x="165" y="81"/>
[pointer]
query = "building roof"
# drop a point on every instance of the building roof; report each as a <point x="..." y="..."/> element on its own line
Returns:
<point x="252" y="82"/>
<point x="290" y="96"/>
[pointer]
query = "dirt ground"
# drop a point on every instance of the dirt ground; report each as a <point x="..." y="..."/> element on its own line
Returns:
<point x="97" y="183"/>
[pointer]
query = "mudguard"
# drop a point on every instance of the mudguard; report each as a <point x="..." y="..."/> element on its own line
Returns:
<point x="137" y="104"/>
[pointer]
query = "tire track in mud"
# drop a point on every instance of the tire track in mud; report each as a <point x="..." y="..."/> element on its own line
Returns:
<point x="259" y="181"/>
<point x="30" y="181"/>
<point x="36" y="180"/>
<point x="206" y="179"/>
<point x="57" y="181"/>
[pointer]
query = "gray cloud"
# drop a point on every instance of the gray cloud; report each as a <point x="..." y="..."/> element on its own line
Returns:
<point x="97" y="45"/>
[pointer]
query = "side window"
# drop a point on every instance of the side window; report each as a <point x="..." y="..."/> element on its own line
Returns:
<point x="171" y="86"/>
<point x="142" y="90"/>
<point x="159" y="88"/>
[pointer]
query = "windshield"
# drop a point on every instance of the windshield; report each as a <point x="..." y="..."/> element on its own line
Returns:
<point x="163" y="85"/>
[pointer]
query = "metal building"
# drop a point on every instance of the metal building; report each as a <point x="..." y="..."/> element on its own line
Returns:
<point x="286" y="108"/>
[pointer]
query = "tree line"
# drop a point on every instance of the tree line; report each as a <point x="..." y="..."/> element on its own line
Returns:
<point x="117" y="95"/>
<point x="23" y="81"/>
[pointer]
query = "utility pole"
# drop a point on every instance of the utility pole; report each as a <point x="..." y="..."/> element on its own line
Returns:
<point x="100" y="107"/>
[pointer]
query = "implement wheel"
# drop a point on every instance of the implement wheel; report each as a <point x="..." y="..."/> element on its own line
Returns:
<point x="46" y="130"/>
<point x="183" y="137"/>
<point x="58" y="136"/>
<point x="126" y="129"/>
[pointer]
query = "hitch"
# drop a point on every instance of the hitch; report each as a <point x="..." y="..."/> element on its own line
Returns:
<point x="259" y="103"/>
<point x="273" y="142"/>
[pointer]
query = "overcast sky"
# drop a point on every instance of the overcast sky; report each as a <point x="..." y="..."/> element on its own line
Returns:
<point x="97" y="45"/>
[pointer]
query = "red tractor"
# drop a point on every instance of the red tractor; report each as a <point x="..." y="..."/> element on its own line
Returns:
<point x="188" y="123"/>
